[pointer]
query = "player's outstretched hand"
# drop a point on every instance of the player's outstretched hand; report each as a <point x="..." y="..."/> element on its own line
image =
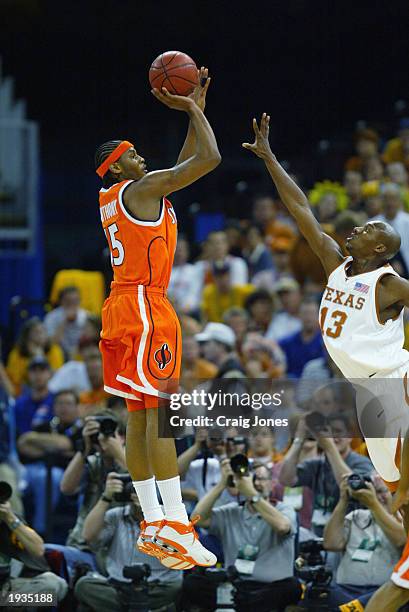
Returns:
<point x="182" y="103"/>
<point x="199" y="93"/>
<point x="261" y="145"/>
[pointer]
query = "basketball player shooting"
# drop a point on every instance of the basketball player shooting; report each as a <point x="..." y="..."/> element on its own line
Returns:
<point x="141" y="337"/>
<point x="361" y="319"/>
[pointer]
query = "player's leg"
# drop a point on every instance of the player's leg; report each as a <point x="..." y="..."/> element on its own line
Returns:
<point x="395" y="593"/>
<point x="177" y="537"/>
<point x="388" y="597"/>
<point x="401" y="497"/>
<point x="141" y="473"/>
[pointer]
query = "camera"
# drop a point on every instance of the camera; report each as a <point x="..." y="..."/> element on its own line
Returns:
<point x="5" y="491"/>
<point x="356" y="482"/>
<point x="316" y="421"/>
<point x="240" y="466"/>
<point x="127" y="491"/>
<point x="136" y="572"/>
<point x="310" y="567"/>
<point x="107" y="427"/>
<point x="133" y="597"/>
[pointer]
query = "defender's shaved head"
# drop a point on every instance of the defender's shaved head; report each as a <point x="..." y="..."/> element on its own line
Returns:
<point x="389" y="238"/>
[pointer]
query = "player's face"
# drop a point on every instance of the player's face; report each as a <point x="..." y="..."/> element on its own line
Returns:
<point x="364" y="239"/>
<point x="132" y="165"/>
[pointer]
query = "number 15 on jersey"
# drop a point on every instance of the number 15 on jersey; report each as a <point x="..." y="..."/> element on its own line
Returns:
<point x="115" y="244"/>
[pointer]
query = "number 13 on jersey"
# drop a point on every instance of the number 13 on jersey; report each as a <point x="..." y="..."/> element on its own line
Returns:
<point x="337" y="320"/>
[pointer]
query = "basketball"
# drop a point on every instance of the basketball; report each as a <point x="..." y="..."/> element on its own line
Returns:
<point x="174" y="70"/>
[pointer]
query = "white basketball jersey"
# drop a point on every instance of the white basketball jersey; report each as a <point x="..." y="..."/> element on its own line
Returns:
<point x="360" y="345"/>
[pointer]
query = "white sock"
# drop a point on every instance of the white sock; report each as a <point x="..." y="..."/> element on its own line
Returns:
<point x="172" y="500"/>
<point x="148" y="498"/>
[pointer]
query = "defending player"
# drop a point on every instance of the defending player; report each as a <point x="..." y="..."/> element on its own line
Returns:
<point x="140" y="339"/>
<point x="361" y="318"/>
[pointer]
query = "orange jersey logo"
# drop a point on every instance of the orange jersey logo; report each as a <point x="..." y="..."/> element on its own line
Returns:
<point x="141" y="251"/>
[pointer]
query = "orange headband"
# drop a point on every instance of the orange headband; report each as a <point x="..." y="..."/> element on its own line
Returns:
<point x="113" y="157"/>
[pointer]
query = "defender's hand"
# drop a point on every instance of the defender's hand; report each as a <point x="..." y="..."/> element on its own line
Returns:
<point x="261" y="145"/>
<point x="199" y="93"/>
<point x="182" y="103"/>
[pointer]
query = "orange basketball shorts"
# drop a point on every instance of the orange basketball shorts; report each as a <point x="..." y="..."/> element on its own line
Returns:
<point x="400" y="575"/>
<point x="140" y="344"/>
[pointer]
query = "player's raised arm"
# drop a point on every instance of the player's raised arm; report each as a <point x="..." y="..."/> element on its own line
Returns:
<point x="294" y="199"/>
<point x="199" y="96"/>
<point x="204" y="159"/>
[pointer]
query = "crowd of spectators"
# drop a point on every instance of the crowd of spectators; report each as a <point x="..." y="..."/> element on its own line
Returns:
<point x="248" y="306"/>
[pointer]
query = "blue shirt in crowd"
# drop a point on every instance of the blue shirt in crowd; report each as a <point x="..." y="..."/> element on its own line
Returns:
<point x="298" y="352"/>
<point x="4" y="426"/>
<point x="32" y="413"/>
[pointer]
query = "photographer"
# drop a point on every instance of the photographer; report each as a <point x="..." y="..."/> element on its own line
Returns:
<point x="52" y="441"/>
<point x="369" y="538"/>
<point x="257" y="538"/>
<point x="102" y="451"/>
<point x="20" y="542"/>
<point x="118" y="529"/>
<point x="201" y="473"/>
<point x="323" y="474"/>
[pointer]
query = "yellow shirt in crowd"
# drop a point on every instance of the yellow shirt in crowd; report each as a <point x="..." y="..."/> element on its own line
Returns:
<point x="215" y="304"/>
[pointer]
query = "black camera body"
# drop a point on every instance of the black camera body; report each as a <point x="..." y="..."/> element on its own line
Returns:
<point x="5" y="491"/>
<point x="316" y="421"/>
<point x="107" y="426"/>
<point x="137" y="573"/>
<point x="240" y="466"/>
<point x="310" y="567"/>
<point x="133" y="597"/>
<point x="356" y="482"/>
<point x="127" y="491"/>
<point x="218" y="574"/>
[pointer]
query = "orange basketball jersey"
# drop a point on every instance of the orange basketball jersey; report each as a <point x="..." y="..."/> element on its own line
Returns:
<point x="140" y="338"/>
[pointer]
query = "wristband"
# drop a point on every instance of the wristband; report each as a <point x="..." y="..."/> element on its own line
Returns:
<point x="106" y="499"/>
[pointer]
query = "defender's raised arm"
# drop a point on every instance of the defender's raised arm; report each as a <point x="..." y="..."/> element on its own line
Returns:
<point x="294" y="199"/>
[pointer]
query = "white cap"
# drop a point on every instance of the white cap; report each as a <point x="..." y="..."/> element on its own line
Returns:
<point x="219" y="332"/>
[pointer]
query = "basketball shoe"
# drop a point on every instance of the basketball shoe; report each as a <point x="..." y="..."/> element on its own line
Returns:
<point x="180" y="542"/>
<point x="145" y="545"/>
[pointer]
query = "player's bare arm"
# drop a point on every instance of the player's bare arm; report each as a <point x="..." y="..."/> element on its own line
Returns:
<point x="294" y="199"/>
<point x="199" y="96"/>
<point x="393" y="295"/>
<point x="142" y="197"/>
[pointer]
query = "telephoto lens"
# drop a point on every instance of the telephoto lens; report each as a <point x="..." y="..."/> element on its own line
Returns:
<point x="240" y="465"/>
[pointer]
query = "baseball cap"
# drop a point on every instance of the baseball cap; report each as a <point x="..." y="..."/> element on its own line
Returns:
<point x="218" y="332"/>
<point x="39" y="362"/>
<point x="286" y="284"/>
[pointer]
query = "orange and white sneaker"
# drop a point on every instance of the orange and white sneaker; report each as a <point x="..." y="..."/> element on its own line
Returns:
<point x="181" y="542"/>
<point x="144" y="541"/>
<point x="145" y="545"/>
